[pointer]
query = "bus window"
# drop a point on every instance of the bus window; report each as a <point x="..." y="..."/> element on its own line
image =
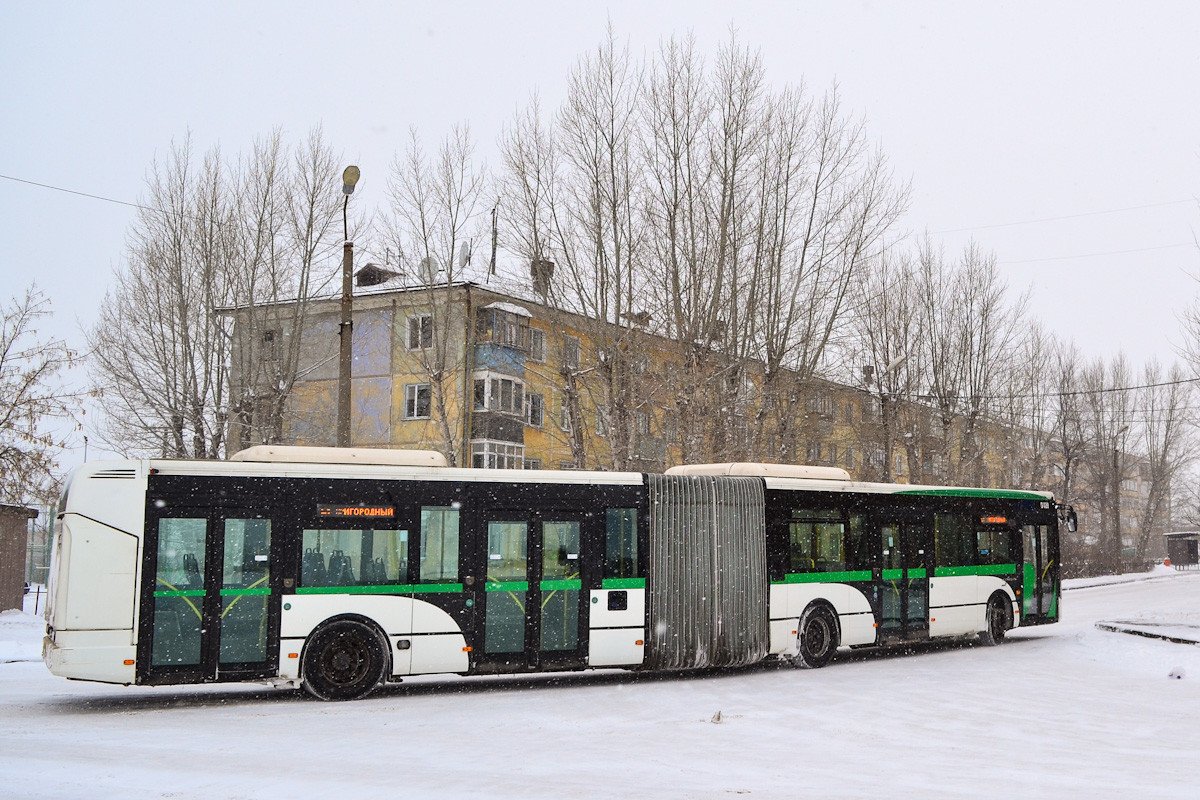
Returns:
<point x="354" y="557"/>
<point x="179" y="577"/>
<point x="994" y="545"/>
<point x="621" y="545"/>
<point x="955" y="543"/>
<point x="439" y="544"/>
<point x="816" y="541"/>
<point x="860" y="552"/>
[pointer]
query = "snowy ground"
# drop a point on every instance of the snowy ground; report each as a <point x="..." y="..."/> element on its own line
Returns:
<point x="1060" y="711"/>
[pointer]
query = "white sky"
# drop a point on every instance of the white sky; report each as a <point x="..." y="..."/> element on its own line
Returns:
<point x="998" y="113"/>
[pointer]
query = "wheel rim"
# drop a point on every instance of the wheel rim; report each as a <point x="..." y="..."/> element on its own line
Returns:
<point x="816" y="636"/>
<point x="346" y="661"/>
<point x="997" y="621"/>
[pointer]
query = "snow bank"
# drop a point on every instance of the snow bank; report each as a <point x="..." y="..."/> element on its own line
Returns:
<point x="20" y="637"/>
<point x="1159" y="571"/>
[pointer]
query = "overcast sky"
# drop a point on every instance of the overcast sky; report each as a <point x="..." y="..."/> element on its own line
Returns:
<point x="998" y="113"/>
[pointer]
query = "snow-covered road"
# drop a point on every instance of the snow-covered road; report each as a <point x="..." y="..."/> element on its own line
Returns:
<point x="1059" y="711"/>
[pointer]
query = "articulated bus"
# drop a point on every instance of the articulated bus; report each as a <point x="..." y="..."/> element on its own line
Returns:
<point x="339" y="570"/>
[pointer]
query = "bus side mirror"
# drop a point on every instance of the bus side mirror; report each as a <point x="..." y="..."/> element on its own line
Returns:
<point x="1071" y="518"/>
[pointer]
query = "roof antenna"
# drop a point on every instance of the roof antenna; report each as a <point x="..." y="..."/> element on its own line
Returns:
<point x="495" y="236"/>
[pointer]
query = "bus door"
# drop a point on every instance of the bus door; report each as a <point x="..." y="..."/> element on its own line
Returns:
<point x="906" y="549"/>
<point x="1039" y="570"/>
<point x="539" y="572"/>
<point x="209" y="611"/>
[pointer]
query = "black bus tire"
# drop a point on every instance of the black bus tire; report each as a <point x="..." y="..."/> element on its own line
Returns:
<point x="996" y="621"/>
<point x="818" y="638"/>
<point x="344" y="660"/>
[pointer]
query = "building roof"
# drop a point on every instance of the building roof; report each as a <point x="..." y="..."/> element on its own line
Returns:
<point x="20" y="511"/>
<point x="1182" y="535"/>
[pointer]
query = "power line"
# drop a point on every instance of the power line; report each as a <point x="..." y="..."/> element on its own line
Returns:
<point x="1107" y="253"/>
<point x="1067" y="216"/>
<point x="153" y="209"/>
<point x="1073" y="393"/>
<point x="84" y="194"/>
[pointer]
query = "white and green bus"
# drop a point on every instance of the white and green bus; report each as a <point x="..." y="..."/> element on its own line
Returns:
<point x="342" y="569"/>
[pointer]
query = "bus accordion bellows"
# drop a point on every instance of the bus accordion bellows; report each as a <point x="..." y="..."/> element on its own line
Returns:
<point x="342" y="569"/>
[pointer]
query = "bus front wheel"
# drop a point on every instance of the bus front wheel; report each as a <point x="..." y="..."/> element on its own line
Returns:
<point x="997" y="621"/>
<point x="344" y="660"/>
<point x="818" y="638"/>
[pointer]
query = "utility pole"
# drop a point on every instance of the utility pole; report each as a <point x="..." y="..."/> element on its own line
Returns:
<point x="1118" y="543"/>
<point x="346" y="328"/>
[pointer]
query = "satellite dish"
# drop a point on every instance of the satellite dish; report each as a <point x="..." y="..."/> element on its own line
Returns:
<point x="429" y="269"/>
<point x="464" y="254"/>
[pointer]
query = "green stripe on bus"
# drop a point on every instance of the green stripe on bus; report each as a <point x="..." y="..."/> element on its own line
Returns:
<point x="507" y="586"/>
<point x="893" y="574"/>
<point x="179" y="593"/>
<point x="392" y="588"/>
<point x="261" y="590"/>
<point x="826" y="577"/>
<point x="623" y="583"/>
<point x="995" y="494"/>
<point x="565" y="584"/>
<point x="982" y="569"/>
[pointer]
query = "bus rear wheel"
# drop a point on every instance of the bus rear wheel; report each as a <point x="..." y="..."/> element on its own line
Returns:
<point x="997" y="621"/>
<point x="344" y="660"/>
<point x="818" y="638"/>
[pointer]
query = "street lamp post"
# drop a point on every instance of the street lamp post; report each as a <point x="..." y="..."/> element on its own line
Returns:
<point x="1119" y="542"/>
<point x="346" y="328"/>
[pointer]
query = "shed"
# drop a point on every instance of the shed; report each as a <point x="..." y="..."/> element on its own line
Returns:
<point x="1183" y="548"/>
<point x="14" y="540"/>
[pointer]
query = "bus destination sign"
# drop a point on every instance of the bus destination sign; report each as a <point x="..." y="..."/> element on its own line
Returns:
<point x="350" y="512"/>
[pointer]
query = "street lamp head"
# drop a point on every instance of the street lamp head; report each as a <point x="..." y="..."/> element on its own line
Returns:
<point x="349" y="178"/>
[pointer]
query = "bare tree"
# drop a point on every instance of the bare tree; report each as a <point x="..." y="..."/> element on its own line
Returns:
<point x="435" y="209"/>
<point x="288" y="210"/>
<point x="202" y="322"/>
<point x="159" y="352"/>
<point x="1167" y="444"/>
<point x="890" y="336"/>
<point x="1108" y="413"/>
<point x="29" y="399"/>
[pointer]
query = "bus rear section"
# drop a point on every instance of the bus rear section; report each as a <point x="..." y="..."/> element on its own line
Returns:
<point x="90" y="619"/>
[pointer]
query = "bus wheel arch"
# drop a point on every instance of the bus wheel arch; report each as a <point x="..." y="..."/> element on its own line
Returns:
<point x="345" y="658"/>
<point x="997" y="619"/>
<point x="818" y="635"/>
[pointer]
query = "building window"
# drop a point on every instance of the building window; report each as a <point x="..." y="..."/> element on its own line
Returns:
<point x="535" y="410"/>
<point x="570" y="357"/>
<point x="420" y="331"/>
<point x="502" y="327"/>
<point x="533" y="463"/>
<point x="813" y="454"/>
<point x="641" y="420"/>
<point x="833" y="453"/>
<point x="488" y="454"/>
<point x="849" y="456"/>
<point x="537" y="345"/>
<point x="601" y="421"/>
<point x="820" y="404"/>
<point x="416" y="401"/>
<point x="497" y="393"/>
<point x="272" y="341"/>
